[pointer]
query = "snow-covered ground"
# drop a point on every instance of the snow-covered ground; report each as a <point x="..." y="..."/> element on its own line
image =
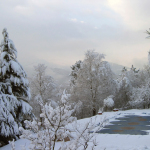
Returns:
<point x="108" y="141"/>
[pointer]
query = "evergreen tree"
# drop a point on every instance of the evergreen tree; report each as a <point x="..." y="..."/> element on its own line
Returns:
<point x="74" y="72"/>
<point x="14" y="91"/>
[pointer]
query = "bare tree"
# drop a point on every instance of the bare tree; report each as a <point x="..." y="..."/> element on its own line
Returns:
<point x="43" y="88"/>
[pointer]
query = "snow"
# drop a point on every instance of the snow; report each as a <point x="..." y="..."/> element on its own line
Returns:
<point x="18" y="145"/>
<point x="123" y="142"/>
<point x="26" y="108"/>
<point x="107" y="141"/>
<point x="17" y="68"/>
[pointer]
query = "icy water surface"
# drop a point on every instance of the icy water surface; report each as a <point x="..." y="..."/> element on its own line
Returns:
<point x="131" y="124"/>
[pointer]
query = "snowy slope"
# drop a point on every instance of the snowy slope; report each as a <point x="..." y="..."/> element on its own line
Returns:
<point x="108" y="141"/>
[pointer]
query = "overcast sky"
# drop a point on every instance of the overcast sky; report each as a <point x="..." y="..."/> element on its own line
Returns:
<point x="60" y="31"/>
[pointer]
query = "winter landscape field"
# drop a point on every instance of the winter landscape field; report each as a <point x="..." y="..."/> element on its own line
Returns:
<point x="106" y="141"/>
<point x="74" y="75"/>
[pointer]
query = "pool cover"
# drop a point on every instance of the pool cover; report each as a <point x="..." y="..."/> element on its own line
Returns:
<point x="131" y="124"/>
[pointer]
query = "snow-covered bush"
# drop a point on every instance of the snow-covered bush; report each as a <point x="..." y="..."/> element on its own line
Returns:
<point x="141" y="97"/>
<point x="12" y="144"/>
<point x="14" y="92"/>
<point x="109" y="102"/>
<point x="59" y="125"/>
<point x="54" y="126"/>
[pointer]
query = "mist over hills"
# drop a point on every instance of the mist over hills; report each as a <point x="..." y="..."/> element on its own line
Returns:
<point x="116" y="68"/>
<point x="61" y="73"/>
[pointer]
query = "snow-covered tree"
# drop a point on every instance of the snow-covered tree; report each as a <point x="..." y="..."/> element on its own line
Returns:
<point x="148" y="32"/>
<point x="146" y="70"/>
<point x="124" y="89"/>
<point x="74" y="71"/>
<point x="140" y="97"/>
<point x="42" y="84"/>
<point x="133" y="76"/>
<point x="127" y="80"/>
<point x="14" y="91"/>
<point x="140" y="80"/>
<point x="94" y="82"/>
<point x="43" y="87"/>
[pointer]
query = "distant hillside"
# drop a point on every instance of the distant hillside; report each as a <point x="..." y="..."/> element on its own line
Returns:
<point x="116" y="68"/>
<point x="61" y="74"/>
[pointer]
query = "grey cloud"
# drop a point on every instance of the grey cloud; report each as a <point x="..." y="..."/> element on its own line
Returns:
<point x="43" y="30"/>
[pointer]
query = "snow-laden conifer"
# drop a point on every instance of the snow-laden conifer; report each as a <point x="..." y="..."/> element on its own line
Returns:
<point x="14" y="91"/>
<point x="74" y="72"/>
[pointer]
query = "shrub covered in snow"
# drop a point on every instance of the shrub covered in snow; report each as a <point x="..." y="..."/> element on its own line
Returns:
<point x="54" y="126"/>
<point x="109" y="102"/>
<point x="57" y="127"/>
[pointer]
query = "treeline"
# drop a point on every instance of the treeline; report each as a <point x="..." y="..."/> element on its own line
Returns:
<point x="93" y="81"/>
<point x="93" y="87"/>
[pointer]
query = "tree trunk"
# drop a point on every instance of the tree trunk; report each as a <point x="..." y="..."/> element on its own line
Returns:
<point x="94" y="111"/>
